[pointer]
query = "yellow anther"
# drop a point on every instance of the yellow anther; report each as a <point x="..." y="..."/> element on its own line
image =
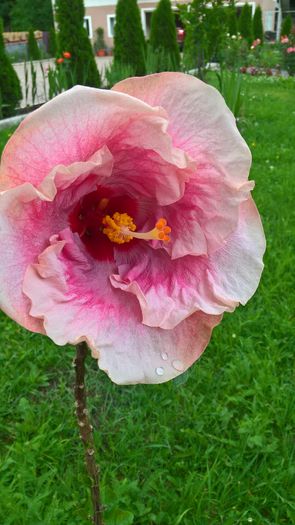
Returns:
<point x="120" y="228"/>
<point x="161" y="223"/>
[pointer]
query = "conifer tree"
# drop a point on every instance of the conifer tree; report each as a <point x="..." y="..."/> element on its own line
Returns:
<point x="245" y="23"/>
<point x="163" y="33"/>
<point x="10" y="88"/>
<point x="129" y="42"/>
<point x="27" y="13"/>
<point x="286" y="26"/>
<point x="73" y="37"/>
<point x="33" y="49"/>
<point x="257" y="24"/>
<point x="232" y="21"/>
<point x="52" y="47"/>
<point x="5" y="13"/>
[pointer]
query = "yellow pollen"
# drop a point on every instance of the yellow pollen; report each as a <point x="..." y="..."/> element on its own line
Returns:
<point x="120" y="228"/>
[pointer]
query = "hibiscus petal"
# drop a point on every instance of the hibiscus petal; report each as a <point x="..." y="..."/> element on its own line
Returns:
<point x="205" y="216"/>
<point x="28" y="218"/>
<point x="200" y="123"/>
<point x="140" y="354"/>
<point x="147" y="174"/>
<point x="15" y="236"/>
<point x="236" y="268"/>
<point x="70" y="128"/>
<point x="74" y="125"/>
<point x="77" y="303"/>
<point x="169" y="291"/>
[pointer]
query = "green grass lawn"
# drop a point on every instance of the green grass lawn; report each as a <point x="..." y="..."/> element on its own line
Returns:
<point x="217" y="450"/>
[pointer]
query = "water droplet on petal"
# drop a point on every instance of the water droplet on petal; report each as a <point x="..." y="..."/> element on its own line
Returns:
<point x="159" y="371"/>
<point x="164" y="356"/>
<point x="178" y="365"/>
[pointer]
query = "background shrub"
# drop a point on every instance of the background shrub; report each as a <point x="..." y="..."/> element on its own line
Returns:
<point x="99" y="40"/>
<point x="129" y="42"/>
<point x="9" y="83"/>
<point x="235" y="53"/>
<point x="163" y="39"/>
<point x="52" y="44"/>
<point x="289" y="61"/>
<point x="245" y="23"/>
<point x="286" y="26"/>
<point x="73" y="37"/>
<point x="33" y="49"/>
<point x="116" y="72"/>
<point x="257" y="24"/>
<point x="206" y="29"/>
<point x="232" y="20"/>
<point x="31" y="13"/>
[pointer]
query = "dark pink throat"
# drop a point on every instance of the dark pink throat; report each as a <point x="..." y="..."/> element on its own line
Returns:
<point x="86" y="220"/>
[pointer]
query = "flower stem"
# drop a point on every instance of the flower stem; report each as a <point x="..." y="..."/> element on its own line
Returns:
<point x="86" y="433"/>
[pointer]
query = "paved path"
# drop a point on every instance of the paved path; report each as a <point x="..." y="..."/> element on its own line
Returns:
<point x="23" y="70"/>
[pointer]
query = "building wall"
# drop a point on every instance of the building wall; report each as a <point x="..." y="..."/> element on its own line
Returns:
<point x="100" y="13"/>
<point x="103" y="16"/>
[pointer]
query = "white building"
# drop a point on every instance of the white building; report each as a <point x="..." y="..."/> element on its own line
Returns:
<point x="101" y="13"/>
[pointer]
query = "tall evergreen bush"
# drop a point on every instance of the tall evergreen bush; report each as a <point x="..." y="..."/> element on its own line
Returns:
<point x="286" y="26"/>
<point x="163" y="33"/>
<point x="31" y="13"/>
<point x="129" y="42"/>
<point x="10" y="88"/>
<point x="52" y="44"/>
<point x="257" y="24"/>
<point x="33" y="49"/>
<point x="99" y="40"/>
<point x="205" y="30"/>
<point x="73" y="37"/>
<point x="232" y="20"/>
<point x="245" y="23"/>
<point x="5" y="13"/>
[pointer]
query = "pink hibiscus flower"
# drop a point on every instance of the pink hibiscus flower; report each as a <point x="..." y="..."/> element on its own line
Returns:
<point x="94" y="184"/>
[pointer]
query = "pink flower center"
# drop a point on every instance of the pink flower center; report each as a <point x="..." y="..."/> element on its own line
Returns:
<point x="87" y="216"/>
<point x="104" y="221"/>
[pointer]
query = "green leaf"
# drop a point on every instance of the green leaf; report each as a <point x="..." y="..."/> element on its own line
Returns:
<point x="119" y="517"/>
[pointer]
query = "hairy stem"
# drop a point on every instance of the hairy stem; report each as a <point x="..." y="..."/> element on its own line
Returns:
<point x="86" y="431"/>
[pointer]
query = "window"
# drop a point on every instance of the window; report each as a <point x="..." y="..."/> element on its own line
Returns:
<point x="88" y="26"/>
<point x="146" y="16"/>
<point x="111" y="19"/>
<point x="268" y="20"/>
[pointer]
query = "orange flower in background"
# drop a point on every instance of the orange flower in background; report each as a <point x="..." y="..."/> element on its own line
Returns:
<point x="67" y="54"/>
<point x="59" y="60"/>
